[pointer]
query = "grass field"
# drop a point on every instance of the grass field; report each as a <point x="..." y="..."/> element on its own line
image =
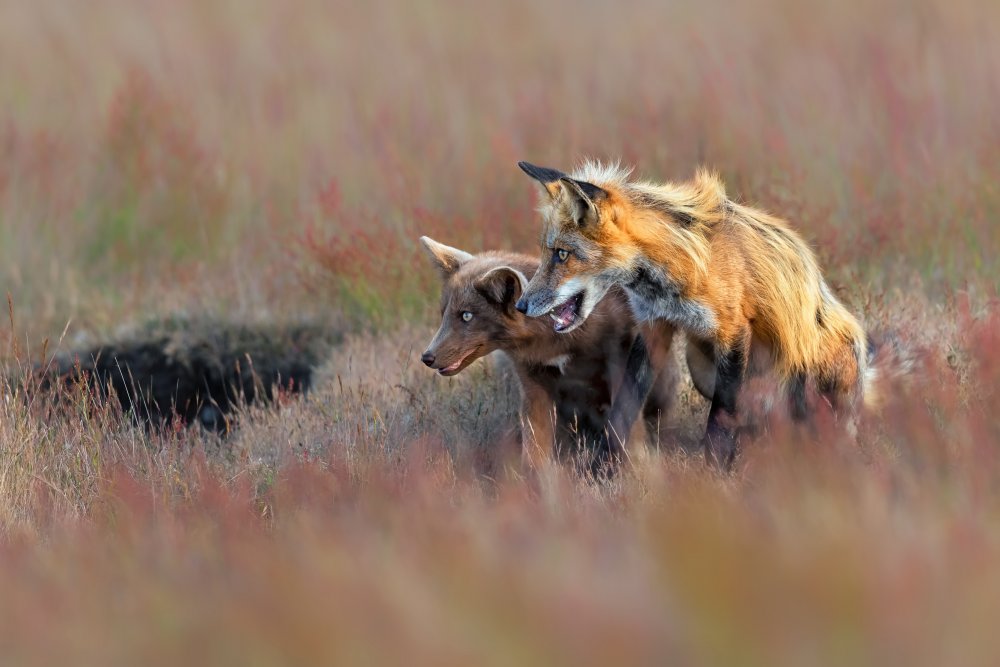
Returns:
<point x="274" y="164"/>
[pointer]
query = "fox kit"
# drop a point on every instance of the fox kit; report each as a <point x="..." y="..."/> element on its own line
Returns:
<point x="569" y="381"/>
<point x="742" y="285"/>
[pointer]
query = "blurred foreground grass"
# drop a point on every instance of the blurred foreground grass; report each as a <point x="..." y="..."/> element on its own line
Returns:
<point x="268" y="162"/>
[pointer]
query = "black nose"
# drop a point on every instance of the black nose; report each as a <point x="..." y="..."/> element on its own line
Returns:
<point x="521" y="305"/>
<point x="427" y="358"/>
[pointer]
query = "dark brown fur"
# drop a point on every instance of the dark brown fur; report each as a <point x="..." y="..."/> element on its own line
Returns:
<point x="569" y="380"/>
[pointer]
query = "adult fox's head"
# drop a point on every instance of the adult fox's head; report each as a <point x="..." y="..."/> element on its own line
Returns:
<point x="598" y="227"/>
<point x="477" y="307"/>
<point x="580" y="258"/>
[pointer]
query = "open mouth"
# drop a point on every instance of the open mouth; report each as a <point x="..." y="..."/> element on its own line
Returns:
<point x="454" y="368"/>
<point x="566" y="314"/>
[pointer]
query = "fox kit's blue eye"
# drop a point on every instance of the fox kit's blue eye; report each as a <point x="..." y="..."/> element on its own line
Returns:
<point x="466" y="316"/>
<point x="562" y="255"/>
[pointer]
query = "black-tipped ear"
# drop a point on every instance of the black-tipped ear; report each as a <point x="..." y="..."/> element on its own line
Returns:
<point x="582" y="197"/>
<point x="588" y="190"/>
<point x="549" y="178"/>
<point x="502" y="285"/>
<point x="446" y="258"/>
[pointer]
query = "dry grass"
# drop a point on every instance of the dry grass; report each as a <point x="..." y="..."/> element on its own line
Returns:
<point x="271" y="162"/>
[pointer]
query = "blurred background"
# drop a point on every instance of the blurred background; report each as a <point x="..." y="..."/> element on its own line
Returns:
<point x="260" y="157"/>
<point x="271" y="165"/>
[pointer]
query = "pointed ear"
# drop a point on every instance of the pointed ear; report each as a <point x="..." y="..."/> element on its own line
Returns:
<point x="549" y="178"/>
<point x="446" y="258"/>
<point x="582" y="198"/>
<point x="502" y="285"/>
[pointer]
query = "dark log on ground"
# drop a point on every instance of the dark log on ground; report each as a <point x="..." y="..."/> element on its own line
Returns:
<point x="195" y="371"/>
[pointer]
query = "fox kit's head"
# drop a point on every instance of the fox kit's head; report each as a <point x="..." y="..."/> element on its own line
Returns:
<point x="477" y="307"/>
<point x="582" y="257"/>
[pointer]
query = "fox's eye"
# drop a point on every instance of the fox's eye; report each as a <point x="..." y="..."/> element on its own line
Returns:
<point x="562" y="255"/>
<point x="466" y="316"/>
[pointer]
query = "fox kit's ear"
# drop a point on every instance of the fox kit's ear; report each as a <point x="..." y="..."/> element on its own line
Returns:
<point x="446" y="258"/>
<point x="549" y="178"/>
<point x="502" y="285"/>
<point x="581" y="197"/>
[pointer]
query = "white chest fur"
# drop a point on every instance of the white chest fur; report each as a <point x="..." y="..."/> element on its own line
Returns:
<point x="559" y="362"/>
<point x="654" y="296"/>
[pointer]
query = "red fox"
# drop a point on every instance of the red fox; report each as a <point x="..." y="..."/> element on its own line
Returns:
<point x="740" y="283"/>
<point x="569" y="381"/>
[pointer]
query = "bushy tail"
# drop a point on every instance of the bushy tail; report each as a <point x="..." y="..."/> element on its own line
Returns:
<point x="890" y="369"/>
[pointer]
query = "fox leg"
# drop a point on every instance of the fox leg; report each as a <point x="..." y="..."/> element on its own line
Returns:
<point x="636" y="384"/>
<point x="659" y="336"/>
<point x="658" y="405"/>
<point x="721" y="434"/>
<point x="700" y="357"/>
<point x="798" y="401"/>
<point x="840" y="380"/>
<point x="537" y="424"/>
<point x="838" y="384"/>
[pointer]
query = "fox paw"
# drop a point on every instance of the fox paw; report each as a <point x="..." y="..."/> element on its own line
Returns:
<point x="720" y="446"/>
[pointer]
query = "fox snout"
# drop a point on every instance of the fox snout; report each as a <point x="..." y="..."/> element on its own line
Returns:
<point x="428" y="358"/>
<point x="534" y="302"/>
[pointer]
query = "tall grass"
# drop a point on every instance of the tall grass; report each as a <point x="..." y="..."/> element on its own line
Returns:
<point x="354" y="526"/>
<point x="269" y="161"/>
<point x="189" y="133"/>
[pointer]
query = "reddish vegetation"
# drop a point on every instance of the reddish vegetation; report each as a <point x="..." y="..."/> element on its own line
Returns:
<point x="272" y="161"/>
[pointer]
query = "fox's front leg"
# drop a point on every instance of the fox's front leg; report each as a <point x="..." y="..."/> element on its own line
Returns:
<point x="721" y="435"/>
<point x="659" y="337"/>
<point x="537" y="424"/>
<point x="637" y="381"/>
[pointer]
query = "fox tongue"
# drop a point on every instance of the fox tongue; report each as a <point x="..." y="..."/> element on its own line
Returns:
<point x="565" y="314"/>
<point x="454" y="366"/>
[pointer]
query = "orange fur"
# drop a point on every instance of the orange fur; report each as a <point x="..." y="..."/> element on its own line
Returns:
<point x="731" y="276"/>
